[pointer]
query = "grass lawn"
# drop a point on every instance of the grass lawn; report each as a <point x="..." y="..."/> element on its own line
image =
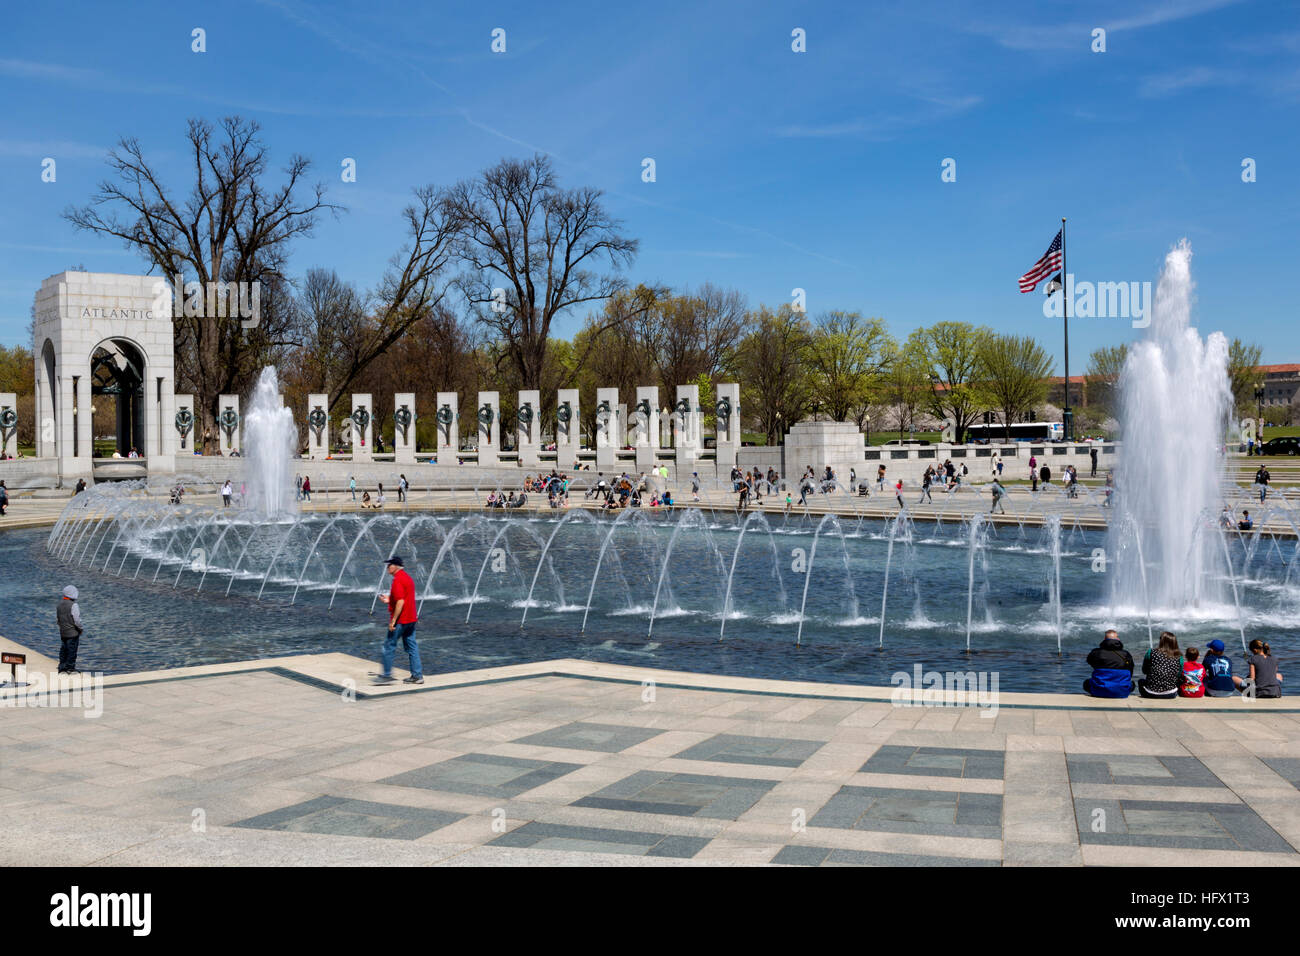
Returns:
<point x="1281" y="431"/>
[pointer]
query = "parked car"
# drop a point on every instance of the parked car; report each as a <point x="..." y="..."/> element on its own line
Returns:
<point x="1287" y="445"/>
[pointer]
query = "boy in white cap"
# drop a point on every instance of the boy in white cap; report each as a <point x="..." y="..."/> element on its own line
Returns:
<point x="70" y="630"/>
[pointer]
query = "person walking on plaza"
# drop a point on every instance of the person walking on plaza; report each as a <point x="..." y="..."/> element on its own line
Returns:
<point x="70" y="630"/>
<point x="1092" y="453"/>
<point x="926" y="480"/>
<point x="402" y="486"/>
<point x="402" y="619"/>
<point x="227" y="490"/>
<point x="1262" y="478"/>
<point x="695" y="486"/>
<point x="1033" y="468"/>
<point x="306" y="487"/>
<point x="352" y="486"/>
<point x="299" y="479"/>
<point x="998" y="492"/>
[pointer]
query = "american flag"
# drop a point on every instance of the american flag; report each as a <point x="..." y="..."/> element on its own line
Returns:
<point x="1044" y="267"/>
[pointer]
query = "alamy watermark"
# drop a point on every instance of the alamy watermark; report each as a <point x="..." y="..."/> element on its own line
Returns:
<point x="213" y="300"/>
<point x="36" y="689"/>
<point x="922" y="688"/>
<point x="1103" y="300"/>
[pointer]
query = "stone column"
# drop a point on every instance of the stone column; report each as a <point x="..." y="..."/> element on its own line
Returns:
<point x="9" y="424"/>
<point x="818" y="444"/>
<point x="528" y="430"/>
<point x="686" y="419"/>
<point x="45" y="395"/>
<point x="645" y="422"/>
<point x="608" y="428"/>
<point x="568" y="430"/>
<point x="184" y="413"/>
<point x="404" y="438"/>
<point x="448" y="418"/>
<point x="318" y="426"/>
<point x="85" y="426"/>
<point x="727" y="426"/>
<point x="488" y="416"/>
<point x="164" y="426"/>
<point x="362" y="430"/>
<point x="229" y="436"/>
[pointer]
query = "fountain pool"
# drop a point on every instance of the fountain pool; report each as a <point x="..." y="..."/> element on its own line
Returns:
<point x="844" y="600"/>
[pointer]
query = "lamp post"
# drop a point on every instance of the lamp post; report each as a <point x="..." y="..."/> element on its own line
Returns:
<point x="1259" y="414"/>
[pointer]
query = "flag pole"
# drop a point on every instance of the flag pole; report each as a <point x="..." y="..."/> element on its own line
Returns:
<point x="1065" y="302"/>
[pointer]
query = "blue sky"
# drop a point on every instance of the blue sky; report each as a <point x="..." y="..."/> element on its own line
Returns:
<point x="775" y="169"/>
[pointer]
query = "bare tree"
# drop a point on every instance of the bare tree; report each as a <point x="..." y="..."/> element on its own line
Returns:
<point x="773" y="365"/>
<point x="413" y="288"/>
<point x="686" y="336"/>
<point x="233" y="227"/>
<point x="545" y="248"/>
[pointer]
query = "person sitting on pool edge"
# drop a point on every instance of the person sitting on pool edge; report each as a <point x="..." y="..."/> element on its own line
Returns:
<point x="1219" y="679"/>
<point x="1163" y="670"/>
<point x="1112" y="669"/>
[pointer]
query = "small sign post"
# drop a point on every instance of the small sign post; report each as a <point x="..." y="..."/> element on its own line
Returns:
<point x="13" y="660"/>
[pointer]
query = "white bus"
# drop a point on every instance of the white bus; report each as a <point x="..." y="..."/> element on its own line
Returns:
<point x="1020" y="431"/>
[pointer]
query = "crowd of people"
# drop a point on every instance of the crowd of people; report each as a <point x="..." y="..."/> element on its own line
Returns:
<point x="1170" y="672"/>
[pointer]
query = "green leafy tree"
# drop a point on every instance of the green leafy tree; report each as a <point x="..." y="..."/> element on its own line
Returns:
<point x="1013" y="373"/>
<point x="952" y="356"/>
<point x="906" y="380"/>
<point x="1243" y="375"/>
<point x="772" y="364"/>
<point x="1104" y="368"/>
<point x="846" y="356"/>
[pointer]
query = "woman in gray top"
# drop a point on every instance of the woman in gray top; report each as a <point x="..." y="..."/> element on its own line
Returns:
<point x="1263" y="670"/>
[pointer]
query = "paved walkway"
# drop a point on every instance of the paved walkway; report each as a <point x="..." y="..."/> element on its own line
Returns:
<point x="1021" y="505"/>
<point x="299" y="761"/>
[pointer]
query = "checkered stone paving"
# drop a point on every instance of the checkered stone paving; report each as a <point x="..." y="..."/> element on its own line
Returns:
<point x="1141" y="770"/>
<point x="1179" y="825"/>
<point x="559" y="763"/>
<point x="937" y="762"/>
<point x="680" y="794"/>
<point x="484" y="775"/>
<point x="1288" y="768"/>
<point x="761" y="751"/>
<point x="605" y="738"/>
<point x="354" y="818"/>
<point x="550" y="836"/>
<point x="829" y="856"/>
<point x="931" y="812"/>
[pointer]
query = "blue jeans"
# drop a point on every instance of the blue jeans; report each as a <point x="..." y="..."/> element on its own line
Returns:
<point x="406" y="632"/>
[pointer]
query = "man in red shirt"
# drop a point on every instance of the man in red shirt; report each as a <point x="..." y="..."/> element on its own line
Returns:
<point x="401" y="624"/>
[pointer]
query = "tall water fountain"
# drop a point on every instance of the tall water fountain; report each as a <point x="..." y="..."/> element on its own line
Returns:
<point x="272" y="440"/>
<point x="1174" y="397"/>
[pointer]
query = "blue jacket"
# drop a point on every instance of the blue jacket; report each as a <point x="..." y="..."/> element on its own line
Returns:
<point x="1218" y="675"/>
<point x="1112" y="670"/>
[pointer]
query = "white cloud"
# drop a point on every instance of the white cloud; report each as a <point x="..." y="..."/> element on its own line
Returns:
<point x="1192" y="78"/>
